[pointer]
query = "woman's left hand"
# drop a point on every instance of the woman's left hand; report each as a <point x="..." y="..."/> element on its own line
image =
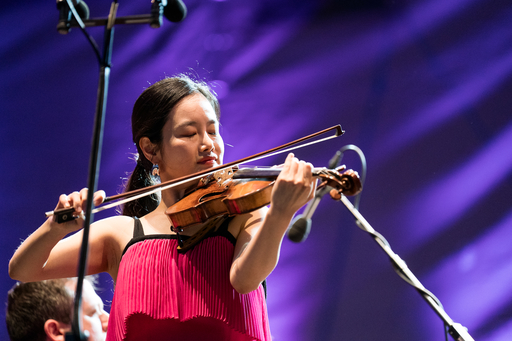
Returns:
<point x="294" y="187"/>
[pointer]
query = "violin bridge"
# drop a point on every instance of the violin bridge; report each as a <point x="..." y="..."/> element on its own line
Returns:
<point x="219" y="176"/>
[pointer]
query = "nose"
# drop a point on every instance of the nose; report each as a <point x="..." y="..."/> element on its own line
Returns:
<point x="104" y="321"/>
<point x="207" y="144"/>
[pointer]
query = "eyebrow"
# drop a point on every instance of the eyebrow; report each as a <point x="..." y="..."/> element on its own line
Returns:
<point x="193" y="123"/>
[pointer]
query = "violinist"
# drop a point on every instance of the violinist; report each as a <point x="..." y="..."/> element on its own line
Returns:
<point x="210" y="291"/>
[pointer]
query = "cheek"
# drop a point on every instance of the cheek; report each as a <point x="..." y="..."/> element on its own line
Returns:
<point x="179" y="160"/>
<point x="179" y="150"/>
<point x="93" y="325"/>
<point x="220" y="147"/>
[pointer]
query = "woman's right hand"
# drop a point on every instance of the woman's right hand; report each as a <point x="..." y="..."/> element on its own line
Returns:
<point x="77" y="200"/>
<point x="47" y="254"/>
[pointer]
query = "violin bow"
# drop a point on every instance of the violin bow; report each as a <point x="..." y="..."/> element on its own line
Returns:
<point x="65" y="214"/>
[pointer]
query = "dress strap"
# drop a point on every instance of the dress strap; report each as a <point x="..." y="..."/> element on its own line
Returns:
<point x="223" y="228"/>
<point x="138" y="231"/>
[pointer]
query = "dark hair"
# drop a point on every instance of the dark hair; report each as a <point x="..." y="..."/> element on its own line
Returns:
<point x="30" y="305"/>
<point x="150" y="113"/>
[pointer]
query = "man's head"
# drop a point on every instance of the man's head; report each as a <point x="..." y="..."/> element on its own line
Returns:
<point x="43" y="310"/>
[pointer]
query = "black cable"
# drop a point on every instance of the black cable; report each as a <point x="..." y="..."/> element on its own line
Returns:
<point x="355" y="148"/>
<point x="82" y="28"/>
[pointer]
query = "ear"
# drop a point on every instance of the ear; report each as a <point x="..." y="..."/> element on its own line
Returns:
<point x="55" y="330"/>
<point x="149" y="149"/>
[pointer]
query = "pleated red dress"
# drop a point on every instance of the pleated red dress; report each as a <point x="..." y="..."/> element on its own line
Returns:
<point x="161" y="294"/>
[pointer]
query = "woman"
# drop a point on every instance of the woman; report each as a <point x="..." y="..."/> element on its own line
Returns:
<point x="213" y="290"/>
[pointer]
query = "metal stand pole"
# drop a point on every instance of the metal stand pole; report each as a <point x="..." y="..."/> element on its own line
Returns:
<point x="155" y="20"/>
<point x="456" y="330"/>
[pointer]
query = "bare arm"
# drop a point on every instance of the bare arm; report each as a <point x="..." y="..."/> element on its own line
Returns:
<point x="259" y="242"/>
<point x="45" y="254"/>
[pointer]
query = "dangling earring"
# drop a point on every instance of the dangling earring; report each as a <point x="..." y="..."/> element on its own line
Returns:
<point x="155" y="171"/>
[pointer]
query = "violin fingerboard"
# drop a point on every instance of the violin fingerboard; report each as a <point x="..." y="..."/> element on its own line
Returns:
<point x="257" y="173"/>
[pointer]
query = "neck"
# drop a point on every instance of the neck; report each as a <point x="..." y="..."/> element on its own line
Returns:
<point x="170" y="197"/>
<point x="173" y="195"/>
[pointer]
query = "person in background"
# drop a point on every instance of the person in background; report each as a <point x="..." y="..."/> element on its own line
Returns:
<point x="42" y="311"/>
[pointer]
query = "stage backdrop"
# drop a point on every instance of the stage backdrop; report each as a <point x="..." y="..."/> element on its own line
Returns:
<point x="422" y="87"/>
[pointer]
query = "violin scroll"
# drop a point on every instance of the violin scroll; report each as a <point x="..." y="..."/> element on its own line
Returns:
<point x="348" y="184"/>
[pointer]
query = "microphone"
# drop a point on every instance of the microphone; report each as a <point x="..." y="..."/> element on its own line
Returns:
<point x="65" y="14"/>
<point x="301" y="225"/>
<point x="175" y="10"/>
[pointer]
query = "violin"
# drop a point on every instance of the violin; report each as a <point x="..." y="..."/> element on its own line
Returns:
<point x="232" y="192"/>
<point x="225" y="190"/>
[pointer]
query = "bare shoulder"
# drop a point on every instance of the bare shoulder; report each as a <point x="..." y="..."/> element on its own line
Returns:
<point x="112" y="235"/>
<point x="117" y="228"/>
<point x="114" y="232"/>
<point x="247" y="221"/>
<point x="119" y="221"/>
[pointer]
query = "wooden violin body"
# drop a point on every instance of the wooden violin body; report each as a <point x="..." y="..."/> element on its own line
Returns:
<point x="231" y="192"/>
<point x="222" y="195"/>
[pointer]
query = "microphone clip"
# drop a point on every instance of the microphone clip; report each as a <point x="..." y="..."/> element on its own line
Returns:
<point x="66" y="15"/>
<point x="157" y="12"/>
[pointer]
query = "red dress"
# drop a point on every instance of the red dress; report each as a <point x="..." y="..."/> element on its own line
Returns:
<point x="161" y="294"/>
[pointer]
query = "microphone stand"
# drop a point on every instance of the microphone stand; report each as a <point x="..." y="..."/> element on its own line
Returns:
<point x="456" y="330"/>
<point x="155" y="20"/>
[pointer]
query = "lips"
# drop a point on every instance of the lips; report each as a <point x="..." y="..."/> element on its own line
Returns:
<point x="207" y="160"/>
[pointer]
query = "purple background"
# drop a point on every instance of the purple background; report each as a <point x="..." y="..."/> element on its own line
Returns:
<point x="422" y="87"/>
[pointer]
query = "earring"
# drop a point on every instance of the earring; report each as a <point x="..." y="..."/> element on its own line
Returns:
<point x="155" y="171"/>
